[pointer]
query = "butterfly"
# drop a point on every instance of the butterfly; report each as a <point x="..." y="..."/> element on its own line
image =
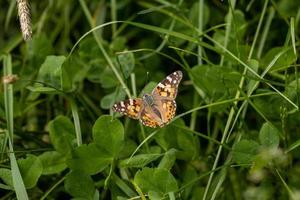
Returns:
<point x="155" y="109"/>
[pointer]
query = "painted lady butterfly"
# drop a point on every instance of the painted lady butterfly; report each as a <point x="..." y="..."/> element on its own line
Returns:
<point x="157" y="108"/>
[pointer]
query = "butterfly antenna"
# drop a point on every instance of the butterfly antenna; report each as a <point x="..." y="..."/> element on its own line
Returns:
<point x="147" y="79"/>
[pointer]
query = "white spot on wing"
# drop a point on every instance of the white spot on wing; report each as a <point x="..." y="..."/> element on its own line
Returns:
<point x="130" y="101"/>
<point x="122" y="104"/>
<point x="161" y="85"/>
<point x="174" y="81"/>
<point x="169" y="78"/>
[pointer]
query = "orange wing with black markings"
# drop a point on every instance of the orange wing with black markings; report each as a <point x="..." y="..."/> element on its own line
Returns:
<point x="129" y="107"/>
<point x="168" y="87"/>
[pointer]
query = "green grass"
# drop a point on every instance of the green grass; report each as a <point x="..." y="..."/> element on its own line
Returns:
<point x="236" y="132"/>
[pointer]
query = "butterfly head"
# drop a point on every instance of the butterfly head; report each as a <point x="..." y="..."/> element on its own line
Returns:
<point x="148" y="99"/>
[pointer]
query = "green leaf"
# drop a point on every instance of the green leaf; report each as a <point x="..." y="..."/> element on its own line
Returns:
<point x="89" y="50"/>
<point x="130" y="148"/>
<point x="31" y="169"/>
<point x="118" y="44"/>
<point x="269" y="135"/>
<point x="155" y="195"/>
<point x="253" y="64"/>
<point x="62" y="134"/>
<point x="80" y="185"/>
<point x="89" y="159"/>
<point x="5" y="175"/>
<point x="215" y="81"/>
<point x="269" y="105"/>
<point x="108" y="79"/>
<point x="127" y="63"/>
<point x="38" y="48"/>
<point x="108" y="134"/>
<point x="156" y="180"/>
<point x="239" y="26"/>
<point x="53" y="162"/>
<point x="173" y="137"/>
<point x="108" y="100"/>
<point x="42" y="89"/>
<point x="189" y="173"/>
<point x="95" y="69"/>
<point x="292" y="91"/>
<point x="168" y="160"/>
<point x="140" y="160"/>
<point x="167" y="136"/>
<point x="245" y="151"/>
<point x="51" y="71"/>
<point x="189" y="144"/>
<point x="148" y="88"/>
<point x="194" y="14"/>
<point x="283" y="62"/>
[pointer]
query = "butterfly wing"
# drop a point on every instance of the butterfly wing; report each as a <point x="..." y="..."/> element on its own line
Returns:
<point x="168" y="87"/>
<point x="164" y="95"/>
<point x="160" y="114"/>
<point x="130" y="107"/>
<point x="149" y="118"/>
<point x="163" y="109"/>
<point x="168" y="108"/>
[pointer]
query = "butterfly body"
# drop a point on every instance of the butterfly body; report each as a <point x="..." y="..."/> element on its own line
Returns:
<point x="148" y="99"/>
<point x="157" y="108"/>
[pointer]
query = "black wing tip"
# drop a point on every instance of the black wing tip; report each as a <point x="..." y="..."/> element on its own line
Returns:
<point x="115" y="107"/>
<point x="179" y="72"/>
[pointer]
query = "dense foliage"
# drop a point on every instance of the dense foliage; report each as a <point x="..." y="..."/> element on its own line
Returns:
<point x="236" y="134"/>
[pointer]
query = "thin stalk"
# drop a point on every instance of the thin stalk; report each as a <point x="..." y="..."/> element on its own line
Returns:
<point x="224" y="135"/>
<point x="10" y="12"/>
<point x="165" y="40"/>
<point x="200" y="62"/>
<point x="253" y="72"/>
<point x="145" y="139"/>
<point x="200" y="28"/>
<point x="228" y="28"/>
<point x="232" y="110"/>
<point x="214" y="135"/>
<point x="222" y="103"/>
<point x="265" y="32"/>
<point x="141" y="144"/>
<point x="290" y="192"/>
<point x="123" y="186"/>
<point x="194" y="114"/>
<point x="101" y="47"/>
<point x="191" y="39"/>
<point x="17" y="179"/>
<point x="171" y="195"/>
<point x="76" y="122"/>
<point x="258" y="29"/>
<point x="139" y="191"/>
<point x="113" y="13"/>
<point x="8" y="97"/>
<point x="133" y="84"/>
<point x="230" y="119"/>
<point x="112" y="167"/>
<point x="52" y="188"/>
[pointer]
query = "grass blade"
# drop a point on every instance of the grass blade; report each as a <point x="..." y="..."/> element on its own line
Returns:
<point x="18" y="183"/>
